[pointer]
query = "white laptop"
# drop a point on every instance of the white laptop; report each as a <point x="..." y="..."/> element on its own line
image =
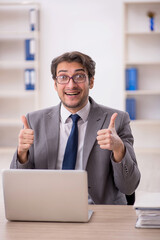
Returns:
<point x="46" y="195"/>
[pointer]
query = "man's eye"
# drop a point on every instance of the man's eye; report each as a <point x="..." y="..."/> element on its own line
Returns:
<point x="62" y="77"/>
<point x="79" y="76"/>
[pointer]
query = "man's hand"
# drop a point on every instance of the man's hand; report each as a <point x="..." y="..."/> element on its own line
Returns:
<point x="26" y="138"/>
<point x="108" y="139"/>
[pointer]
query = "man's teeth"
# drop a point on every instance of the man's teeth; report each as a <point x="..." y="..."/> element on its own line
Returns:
<point x="71" y="93"/>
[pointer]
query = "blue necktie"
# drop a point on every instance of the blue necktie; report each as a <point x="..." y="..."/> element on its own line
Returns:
<point x="70" y="155"/>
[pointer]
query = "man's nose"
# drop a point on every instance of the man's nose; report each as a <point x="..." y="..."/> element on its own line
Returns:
<point x="71" y="83"/>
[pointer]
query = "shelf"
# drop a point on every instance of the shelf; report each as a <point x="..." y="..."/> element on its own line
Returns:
<point x="18" y="35"/>
<point x="140" y="3"/>
<point x="17" y="20"/>
<point x="10" y="122"/>
<point x="142" y="52"/>
<point x="143" y="33"/>
<point x="142" y="92"/>
<point x="136" y="63"/>
<point x="7" y="150"/>
<point x="145" y="122"/>
<point x="147" y="150"/>
<point x="18" y="64"/>
<point x="20" y="4"/>
<point x="17" y="94"/>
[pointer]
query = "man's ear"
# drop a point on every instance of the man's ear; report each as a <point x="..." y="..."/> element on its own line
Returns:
<point x="91" y="82"/>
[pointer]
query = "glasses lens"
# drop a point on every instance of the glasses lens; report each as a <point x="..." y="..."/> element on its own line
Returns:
<point x="79" y="78"/>
<point x="62" y="79"/>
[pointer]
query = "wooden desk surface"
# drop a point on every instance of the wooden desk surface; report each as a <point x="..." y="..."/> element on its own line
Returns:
<point x="107" y="223"/>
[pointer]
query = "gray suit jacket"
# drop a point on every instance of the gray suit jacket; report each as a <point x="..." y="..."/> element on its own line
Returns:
<point x="108" y="181"/>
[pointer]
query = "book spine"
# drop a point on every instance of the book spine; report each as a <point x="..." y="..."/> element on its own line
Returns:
<point x="30" y="49"/>
<point x="131" y="108"/>
<point x="131" y="79"/>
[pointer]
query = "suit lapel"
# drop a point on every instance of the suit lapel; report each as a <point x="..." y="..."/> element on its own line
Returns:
<point x="52" y="123"/>
<point x="96" y="119"/>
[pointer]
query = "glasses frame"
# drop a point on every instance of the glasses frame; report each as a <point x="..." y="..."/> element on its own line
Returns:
<point x="69" y="78"/>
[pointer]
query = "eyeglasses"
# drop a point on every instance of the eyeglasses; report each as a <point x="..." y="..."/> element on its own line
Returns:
<point x="77" y="78"/>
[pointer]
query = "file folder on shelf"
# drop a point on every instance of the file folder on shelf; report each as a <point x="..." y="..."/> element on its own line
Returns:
<point x="33" y="19"/>
<point x="131" y="108"/>
<point x="131" y="79"/>
<point x="29" y="79"/>
<point x="30" y="49"/>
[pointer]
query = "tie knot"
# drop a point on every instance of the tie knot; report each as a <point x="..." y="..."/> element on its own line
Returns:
<point x="75" y="117"/>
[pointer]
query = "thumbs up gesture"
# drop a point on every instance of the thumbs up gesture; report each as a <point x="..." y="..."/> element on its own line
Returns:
<point x="109" y="139"/>
<point x="26" y="138"/>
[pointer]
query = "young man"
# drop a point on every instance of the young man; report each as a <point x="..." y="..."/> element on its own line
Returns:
<point x="105" y="143"/>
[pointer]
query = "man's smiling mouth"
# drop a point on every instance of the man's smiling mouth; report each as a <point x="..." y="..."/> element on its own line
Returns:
<point x="72" y="93"/>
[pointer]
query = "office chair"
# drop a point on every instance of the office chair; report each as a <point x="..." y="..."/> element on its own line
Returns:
<point x="130" y="199"/>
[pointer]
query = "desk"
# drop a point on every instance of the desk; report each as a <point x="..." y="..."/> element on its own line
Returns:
<point x="107" y="223"/>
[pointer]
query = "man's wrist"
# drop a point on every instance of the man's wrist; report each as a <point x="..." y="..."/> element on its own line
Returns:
<point x="118" y="155"/>
<point x="22" y="157"/>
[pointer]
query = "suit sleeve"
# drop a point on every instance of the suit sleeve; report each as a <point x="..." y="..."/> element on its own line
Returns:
<point x="126" y="173"/>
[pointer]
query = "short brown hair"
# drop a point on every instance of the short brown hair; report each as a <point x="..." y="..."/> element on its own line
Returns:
<point x="75" y="56"/>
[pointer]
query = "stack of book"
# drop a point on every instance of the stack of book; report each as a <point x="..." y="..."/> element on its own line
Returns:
<point x="148" y="210"/>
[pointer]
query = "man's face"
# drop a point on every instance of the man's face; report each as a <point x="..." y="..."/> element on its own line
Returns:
<point x="74" y="96"/>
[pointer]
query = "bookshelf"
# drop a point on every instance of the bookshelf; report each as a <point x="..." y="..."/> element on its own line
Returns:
<point x="18" y="22"/>
<point x="142" y="51"/>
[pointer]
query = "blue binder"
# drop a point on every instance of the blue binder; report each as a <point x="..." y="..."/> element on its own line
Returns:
<point x="29" y="49"/>
<point x="131" y="79"/>
<point x="29" y="79"/>
<point x="131" y="108"/>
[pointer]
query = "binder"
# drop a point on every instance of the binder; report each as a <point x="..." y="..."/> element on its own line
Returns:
<point x="29" y="79"/>
<point x="131" y="108"/>
<point x="32" y="79"/>
<point x="30" y="49"/>
<point x="33" y="19"/>
<point x="131" y="79"/>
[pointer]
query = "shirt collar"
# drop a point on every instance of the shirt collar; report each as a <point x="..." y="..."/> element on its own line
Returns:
<point x="83" y="113"/>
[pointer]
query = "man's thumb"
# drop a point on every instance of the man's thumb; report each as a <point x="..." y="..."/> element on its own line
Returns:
<point x="112" y="121"/>
<point x="25" y="123"/>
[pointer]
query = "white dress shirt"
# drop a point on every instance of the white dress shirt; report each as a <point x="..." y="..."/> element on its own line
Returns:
<point x="65" y="129"/>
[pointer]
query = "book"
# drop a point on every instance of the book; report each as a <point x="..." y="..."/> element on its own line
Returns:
<point x="131" y="108"/>
<point x="148" y="210"/>
<point x="131" y="79"/>
<point x="29" y="79"/>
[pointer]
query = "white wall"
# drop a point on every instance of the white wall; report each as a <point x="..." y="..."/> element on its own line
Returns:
<point x="93" y="27"/>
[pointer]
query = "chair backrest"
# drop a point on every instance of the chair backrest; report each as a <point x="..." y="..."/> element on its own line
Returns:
<point x="130" y="199"/>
